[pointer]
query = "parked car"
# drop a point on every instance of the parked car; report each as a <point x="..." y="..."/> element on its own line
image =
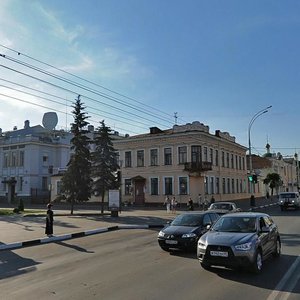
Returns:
<point x="243" y="239"/>
<point x="224" y="207"/>
<point x="184" y="231"/>
<point x="289" y="200"/>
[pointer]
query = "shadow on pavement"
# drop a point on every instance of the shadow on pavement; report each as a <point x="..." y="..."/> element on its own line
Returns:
<point x="14" y="265"/>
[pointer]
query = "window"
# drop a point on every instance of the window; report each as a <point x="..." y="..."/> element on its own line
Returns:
<point x="4" y="184"/>
<point x="212" y="185"/>
<point x="236" y="162"/>
<point x="168" y="182"/>
<point x="128" y="188"/>
<point x="217" y="157"/>
<point x="168" y="156"/>
<point x="243" y="163"/>
<point x="154" y="186"/>
<point x="140" y="158"/>
<point x="206" y="184"/>
<point x="232" y="186"/>
<point x="6" y="160"/>
<point x="58" y="187"/>
<point x="196" y="154"/>
<point x="21" y="158"/>
<point x="227" y="160"/>
<point x="128" y="163"/>
<point x="44" y="183"/>
<point x="217" y="185"/>
<point x="205" y="154"/>
<point x="224" y="185"/>
<point x="223" y="159"/>
<point x="45" y="158"/>
<point x="183" y="186"/>
<point x="154" y="157"/>
<point x="21" y="180"/>
<point x="237" y="186"/>
<point x="211" y="155"/>
<point x="232" y="161"/>
<point x="228" y="185"/>
<point x="240" y="163"/>
<point x="182" y="154"/>
<point x="14" y="162"/>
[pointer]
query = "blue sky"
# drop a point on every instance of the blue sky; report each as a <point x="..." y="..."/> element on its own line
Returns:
<point x="217" y="62"/>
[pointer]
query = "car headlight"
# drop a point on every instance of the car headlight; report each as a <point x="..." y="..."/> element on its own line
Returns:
<point x="281" y="201"/>
<point x="293" y="201"/>
<point x="201" y="245"/>
<point x="243" y="247"/>
<point x="161" y="234"/>
<point x="189" y="235"/>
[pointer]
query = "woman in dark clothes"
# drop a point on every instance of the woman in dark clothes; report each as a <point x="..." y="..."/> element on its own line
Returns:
<point x="49" y="220"/>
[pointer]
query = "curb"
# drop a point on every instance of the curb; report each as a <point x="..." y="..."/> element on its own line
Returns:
<point x="35" y="242"/>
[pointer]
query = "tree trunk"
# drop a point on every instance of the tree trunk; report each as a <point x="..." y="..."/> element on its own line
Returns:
<point x="102" y="203"/>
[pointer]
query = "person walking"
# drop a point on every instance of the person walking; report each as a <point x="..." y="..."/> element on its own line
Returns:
<point x="190" y="204"/>
<point x="168" y="204"/>
<point x="173" y="205"/>
<point x="49" y="221"/>
<point x="200" y="201"/>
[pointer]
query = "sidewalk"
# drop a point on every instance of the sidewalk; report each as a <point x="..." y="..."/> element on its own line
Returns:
<point x="18" y="231"/>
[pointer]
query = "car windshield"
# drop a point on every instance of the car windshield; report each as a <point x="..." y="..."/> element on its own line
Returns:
<point x="235" y="224"/>
<point x="221" y="206"/>
<point x="187" y="220"/>
<point x="288" y="195"/>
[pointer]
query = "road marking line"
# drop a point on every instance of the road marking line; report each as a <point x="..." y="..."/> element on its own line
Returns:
<point x="278" y="291"/>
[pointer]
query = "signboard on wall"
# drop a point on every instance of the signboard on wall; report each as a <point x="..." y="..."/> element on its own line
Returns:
<point x="114" y="200"/>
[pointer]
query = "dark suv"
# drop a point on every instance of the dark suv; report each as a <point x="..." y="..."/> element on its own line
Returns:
<point x="289" y="199"/>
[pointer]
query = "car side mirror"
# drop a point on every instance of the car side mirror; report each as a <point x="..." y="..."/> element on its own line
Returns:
<point x="207" y="226"/>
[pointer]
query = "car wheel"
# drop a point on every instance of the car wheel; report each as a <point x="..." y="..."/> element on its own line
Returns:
<point x="258" y="262"/>
<point x="277" y="250"/>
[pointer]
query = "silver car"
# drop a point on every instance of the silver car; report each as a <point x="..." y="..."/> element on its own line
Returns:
<point x="243" y="239"/>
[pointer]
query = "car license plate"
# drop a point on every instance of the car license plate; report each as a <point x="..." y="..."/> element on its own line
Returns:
<point x="171" y="242"/>
<point x="219" y="253"/>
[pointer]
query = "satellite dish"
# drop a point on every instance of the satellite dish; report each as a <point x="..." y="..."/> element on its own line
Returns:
<point x="50" y="120"/>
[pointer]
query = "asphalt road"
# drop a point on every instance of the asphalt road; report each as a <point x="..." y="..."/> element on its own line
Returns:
<point x="128" y="264"/>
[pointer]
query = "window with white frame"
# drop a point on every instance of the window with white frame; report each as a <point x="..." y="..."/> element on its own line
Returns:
<point x="211" y="155"/>
<point x="128" y="161"/>
<point x="168" y="156"/>
<point x="154" y="186"/>
<point x="196" y="154"/>
<point x="224" y="185"/>
<point x="127" y="187"/>
<point x="206" y="184"/>
<point x="140" y="158"/>
<point x="212" y="185"/>
<point x="217" y="157"/>
<point x="232" y="186"/>
<point x="183" y="185"/>
<point x="205" y="154"/>
<point x="228" y="186"/>
<point x="168" y="185"/>
<point x="217" y="185"/>
<point x="182" y="154"/>
<point x="21" y="158"/>
<point x="154" y="157"/>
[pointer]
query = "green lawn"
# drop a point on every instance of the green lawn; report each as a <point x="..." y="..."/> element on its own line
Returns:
<point x="10" y="212"/>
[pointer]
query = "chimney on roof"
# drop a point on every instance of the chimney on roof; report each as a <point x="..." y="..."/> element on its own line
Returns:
<point x="26" y="124"/>
<point x="15" y="128"/>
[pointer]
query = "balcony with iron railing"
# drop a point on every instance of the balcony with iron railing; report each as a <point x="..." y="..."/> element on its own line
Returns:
<point x="198" y="167"/>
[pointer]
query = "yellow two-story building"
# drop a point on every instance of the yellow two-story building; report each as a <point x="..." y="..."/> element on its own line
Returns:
<point x="184" y="161"/>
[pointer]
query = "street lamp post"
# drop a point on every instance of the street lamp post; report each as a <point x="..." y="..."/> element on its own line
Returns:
<point x="258" y="114"/>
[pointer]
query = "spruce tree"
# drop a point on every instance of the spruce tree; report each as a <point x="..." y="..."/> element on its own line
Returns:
<point x="76" y="182"/>
<point x="104" y="163"/>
